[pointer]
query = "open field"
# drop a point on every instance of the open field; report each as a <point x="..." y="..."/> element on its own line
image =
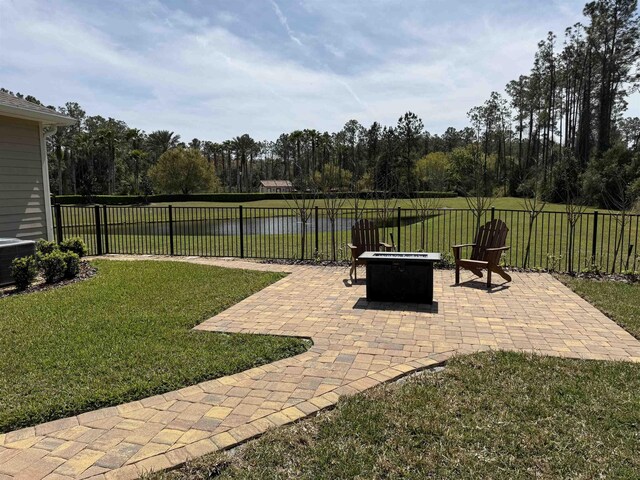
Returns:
<point x="487" y="415"/>
<point x="457" y="202"/>
<point x="269" y="232"/>
<point x="270" y="208"/>
<point x="123" y="335"/>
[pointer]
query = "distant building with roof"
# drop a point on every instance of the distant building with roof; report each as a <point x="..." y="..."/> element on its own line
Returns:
<point x="275" y="186"/>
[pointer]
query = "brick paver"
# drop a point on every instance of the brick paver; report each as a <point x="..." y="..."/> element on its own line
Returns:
<point x="356" y="345"/>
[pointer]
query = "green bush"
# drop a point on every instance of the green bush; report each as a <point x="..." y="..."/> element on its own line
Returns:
<point x="99" y="199"/>
<point x="446" y="261"/>
<point x="72" y="264"/>
<point x="44" y="247"/>
<point x="24" y="271"/>
<point x="75" y="245"/>
<point x="54" y="266"/>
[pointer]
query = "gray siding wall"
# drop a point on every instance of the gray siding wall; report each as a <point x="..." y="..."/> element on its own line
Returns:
<point x="22" y="205"/>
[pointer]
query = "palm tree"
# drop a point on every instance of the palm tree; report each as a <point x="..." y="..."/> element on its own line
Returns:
<point x="227" y="147"/>
<point x="195" y="144"/>
<point x="243" y="147"/>
<point x="160" y="141"/>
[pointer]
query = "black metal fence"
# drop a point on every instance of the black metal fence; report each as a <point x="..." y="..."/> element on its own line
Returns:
<point x="551" y="240"/>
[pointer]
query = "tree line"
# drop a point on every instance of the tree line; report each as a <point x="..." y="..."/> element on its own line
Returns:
<point x="558" y="133"/>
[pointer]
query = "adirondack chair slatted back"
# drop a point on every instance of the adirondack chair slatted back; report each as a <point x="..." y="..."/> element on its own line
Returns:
<point x="365" y="237"/>
<point x="491" y="235"/>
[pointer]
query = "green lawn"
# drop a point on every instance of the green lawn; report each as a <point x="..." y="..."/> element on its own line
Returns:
<point x="488" y="415"/>
<point x="549" y="240"/>
<point x="455" y="202"/>
<point x="146" y="230"/>
<point x="123" y="335"/>
<point x="85" y="215"/>
<point x="620" y="301"/>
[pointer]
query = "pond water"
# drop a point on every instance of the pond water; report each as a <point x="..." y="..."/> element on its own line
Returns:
<point x="279" y="225"/>
<point x="282" y="225"/>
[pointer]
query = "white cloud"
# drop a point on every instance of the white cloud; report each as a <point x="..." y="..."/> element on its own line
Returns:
<point x="220" y="75"/>
<point x="285" y="23"/>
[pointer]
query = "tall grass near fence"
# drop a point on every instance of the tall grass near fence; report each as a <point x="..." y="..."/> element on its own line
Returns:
<point x="600" y="241"/>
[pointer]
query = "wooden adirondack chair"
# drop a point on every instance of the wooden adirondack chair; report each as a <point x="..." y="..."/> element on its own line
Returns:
<point x="364" y="238"/>
<point x="485" y="254"/>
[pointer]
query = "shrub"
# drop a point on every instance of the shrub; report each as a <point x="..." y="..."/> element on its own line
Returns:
<point x="75" y="245"/>
<point x="72" y="264"/>
<point x="446" y="260"/>
<point x="24" y="271"/>
<point x="45" y="247"/>
<point x="53" y="266"/>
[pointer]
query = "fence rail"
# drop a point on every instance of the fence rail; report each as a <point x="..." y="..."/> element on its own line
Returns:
<point x="595" y="240"/>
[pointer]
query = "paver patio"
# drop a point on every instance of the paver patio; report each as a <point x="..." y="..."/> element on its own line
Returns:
<point x="356" y="345"/>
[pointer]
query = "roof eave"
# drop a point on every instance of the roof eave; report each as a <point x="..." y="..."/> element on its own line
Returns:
<point x="42" y="117"/>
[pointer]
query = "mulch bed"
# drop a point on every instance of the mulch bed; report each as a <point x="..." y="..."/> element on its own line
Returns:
<point x="86" y="271"/>
<point x="608" y="277"/>
<point x="321" y="263"/>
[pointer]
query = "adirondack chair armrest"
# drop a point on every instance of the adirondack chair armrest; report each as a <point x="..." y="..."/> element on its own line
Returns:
<point x="352" y="247"/>
<point x="457" y="248"/>
<point x="464" y="245"/>
<point x="387" y="246"/>
<point x="496" y="249"/>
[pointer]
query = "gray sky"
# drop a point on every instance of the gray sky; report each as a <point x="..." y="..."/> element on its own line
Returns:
<point x="215" y="69"/>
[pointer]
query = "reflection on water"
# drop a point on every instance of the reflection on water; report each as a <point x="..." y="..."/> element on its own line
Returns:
<point x="280" y="225"/>
<point x="251" y="226"/>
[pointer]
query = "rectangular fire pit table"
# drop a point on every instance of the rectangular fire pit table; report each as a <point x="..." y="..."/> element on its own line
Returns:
<point x="400" y="277"/>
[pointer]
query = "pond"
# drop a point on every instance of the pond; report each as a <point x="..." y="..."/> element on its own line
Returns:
<point x="282" y="225"/>
<point x="278" y="225"/>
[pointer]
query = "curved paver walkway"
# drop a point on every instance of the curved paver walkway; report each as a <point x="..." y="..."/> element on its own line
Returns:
<point x="356" y="345"/>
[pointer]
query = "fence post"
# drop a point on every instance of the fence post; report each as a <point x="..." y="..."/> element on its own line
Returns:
<point x="493" y="213"/>
<point x="316" y="224"/>
<point x="241" y="233"/>
<point x="594" y="239"/>
<point x="98" y="230"/>
<point x="171" y="251"/>
<point x="106" y="229"/>
<point x="58" y="212"/>
<point x="398" y="226"/>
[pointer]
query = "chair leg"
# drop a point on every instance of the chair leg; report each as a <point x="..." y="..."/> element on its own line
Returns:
<point x="488" y="278"/>
<point x="353" y="267"/>
<point x="355" y="272"/>
<point x="457" y="274"/>
<point x="502" y="273"/>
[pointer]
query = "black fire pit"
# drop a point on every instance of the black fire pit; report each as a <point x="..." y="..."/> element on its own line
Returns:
<point x="400" y="277"/>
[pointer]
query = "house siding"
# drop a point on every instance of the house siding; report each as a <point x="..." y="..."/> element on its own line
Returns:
<point x="22" y="202"/>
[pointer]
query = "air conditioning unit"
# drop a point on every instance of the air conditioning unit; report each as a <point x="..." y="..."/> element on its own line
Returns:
<point x="11" y="248"/>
